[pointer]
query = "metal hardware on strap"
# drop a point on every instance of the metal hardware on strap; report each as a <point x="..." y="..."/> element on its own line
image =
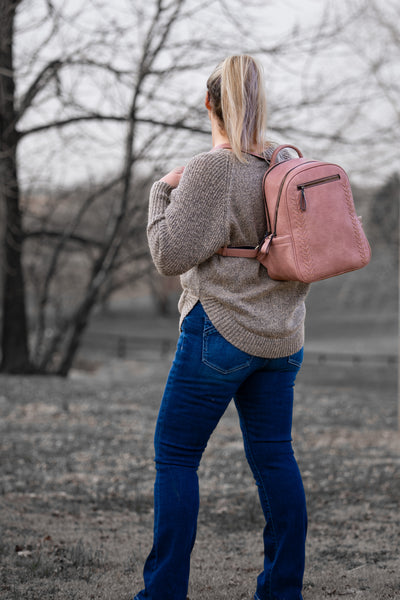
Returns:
<point x="266" y="243"/>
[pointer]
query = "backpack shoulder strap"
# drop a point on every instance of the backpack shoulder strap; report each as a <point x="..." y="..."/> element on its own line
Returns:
<point x="229" y="147"/>
<point x="266" y="242"/>
<point x="240" y="252"/>
<point x="243" y="252"/>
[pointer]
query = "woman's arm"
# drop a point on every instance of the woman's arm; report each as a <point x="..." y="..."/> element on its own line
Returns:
<point x="187" y="224"/>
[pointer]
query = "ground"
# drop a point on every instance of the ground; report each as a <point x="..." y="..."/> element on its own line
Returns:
<point x="77" y="475"/>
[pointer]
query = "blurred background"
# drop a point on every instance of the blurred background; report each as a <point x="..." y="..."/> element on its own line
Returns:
<point x="99" y="99"/>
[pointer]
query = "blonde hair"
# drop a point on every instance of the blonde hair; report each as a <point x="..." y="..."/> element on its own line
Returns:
<point x="237" y="98"/>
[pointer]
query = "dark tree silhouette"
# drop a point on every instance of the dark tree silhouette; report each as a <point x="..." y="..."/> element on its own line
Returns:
<point x="15" y="354"/>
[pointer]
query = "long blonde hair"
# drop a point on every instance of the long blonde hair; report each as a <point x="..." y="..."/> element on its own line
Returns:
<point x="237" y="98"/>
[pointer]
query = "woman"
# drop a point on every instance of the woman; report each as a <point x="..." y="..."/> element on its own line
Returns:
<point x="241" y="338"/>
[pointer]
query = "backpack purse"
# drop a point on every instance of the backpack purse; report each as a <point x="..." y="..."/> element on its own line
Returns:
<point x="313" y="230"/>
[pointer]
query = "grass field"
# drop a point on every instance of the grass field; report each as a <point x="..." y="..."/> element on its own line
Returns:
<point x="76" y="464"/>
<point x="77" y="474"/>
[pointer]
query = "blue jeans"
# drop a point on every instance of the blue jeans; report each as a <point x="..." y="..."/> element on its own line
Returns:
<point x="206" y="374"/>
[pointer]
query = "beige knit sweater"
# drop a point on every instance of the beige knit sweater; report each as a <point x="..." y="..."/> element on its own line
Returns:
<point x="219" y="202"/>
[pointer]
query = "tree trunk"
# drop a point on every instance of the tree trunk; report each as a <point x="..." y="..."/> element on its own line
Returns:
<point x="79" y="325"/>
<point x="15" y="353"/>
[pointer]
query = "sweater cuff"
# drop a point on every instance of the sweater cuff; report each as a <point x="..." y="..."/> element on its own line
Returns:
<point x="159" y="199"/>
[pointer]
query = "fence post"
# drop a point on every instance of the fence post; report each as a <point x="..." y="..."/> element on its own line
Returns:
<point x="121" y="347"/>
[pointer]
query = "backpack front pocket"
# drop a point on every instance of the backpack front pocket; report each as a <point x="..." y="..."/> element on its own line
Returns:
<point x="303" y="186"/>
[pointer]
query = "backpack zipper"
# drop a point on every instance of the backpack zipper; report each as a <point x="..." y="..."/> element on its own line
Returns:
<point x="280" y="191"/>
<point x="303" y="186"/>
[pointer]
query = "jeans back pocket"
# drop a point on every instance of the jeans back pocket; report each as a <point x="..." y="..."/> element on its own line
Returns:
<point x="221" y="355"/>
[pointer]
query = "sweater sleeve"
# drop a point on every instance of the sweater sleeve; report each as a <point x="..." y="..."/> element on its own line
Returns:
<point x="188" y="224"/>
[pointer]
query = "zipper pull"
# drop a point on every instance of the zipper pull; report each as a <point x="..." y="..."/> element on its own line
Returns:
<point x="303" y="202"/>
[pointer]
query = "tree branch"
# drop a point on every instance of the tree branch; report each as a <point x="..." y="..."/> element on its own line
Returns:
<point x="59" y="124"/>
<point x="41" y="80"/>
<point x="58" y="235"/>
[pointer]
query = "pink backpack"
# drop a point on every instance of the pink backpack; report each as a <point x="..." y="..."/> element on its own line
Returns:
<point x="313" y="230"/>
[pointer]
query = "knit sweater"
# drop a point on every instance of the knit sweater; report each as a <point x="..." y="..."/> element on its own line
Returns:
<point x="218" y="202"/>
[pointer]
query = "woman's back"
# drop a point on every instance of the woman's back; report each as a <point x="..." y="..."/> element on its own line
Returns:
<point x="219" y="202"/>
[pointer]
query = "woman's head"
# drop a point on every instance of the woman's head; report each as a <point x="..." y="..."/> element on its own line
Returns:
<point x="237" y="98"/>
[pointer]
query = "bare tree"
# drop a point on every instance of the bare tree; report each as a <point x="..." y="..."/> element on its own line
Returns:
<point x="113" y="249"/>
<point x="14" y="331"/>
<point x="106" y="249"/>
<point x="106" y="96"/>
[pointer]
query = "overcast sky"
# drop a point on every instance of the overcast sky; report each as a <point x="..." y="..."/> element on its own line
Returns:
<point x="87" y="153"/>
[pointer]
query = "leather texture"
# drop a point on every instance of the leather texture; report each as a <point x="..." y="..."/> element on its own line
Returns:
<point x="314" y="232"/>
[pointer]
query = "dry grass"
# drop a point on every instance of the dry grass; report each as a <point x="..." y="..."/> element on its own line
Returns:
<point x="77" y="477"/>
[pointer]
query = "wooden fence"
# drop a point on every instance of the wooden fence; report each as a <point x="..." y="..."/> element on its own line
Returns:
<point x="114" y="345"/>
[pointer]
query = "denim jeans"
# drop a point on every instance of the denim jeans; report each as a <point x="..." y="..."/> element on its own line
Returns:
<point x="206" y="374"/>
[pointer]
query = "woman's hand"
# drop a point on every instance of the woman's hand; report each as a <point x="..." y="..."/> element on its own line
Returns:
<point x="173" y="177"/>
